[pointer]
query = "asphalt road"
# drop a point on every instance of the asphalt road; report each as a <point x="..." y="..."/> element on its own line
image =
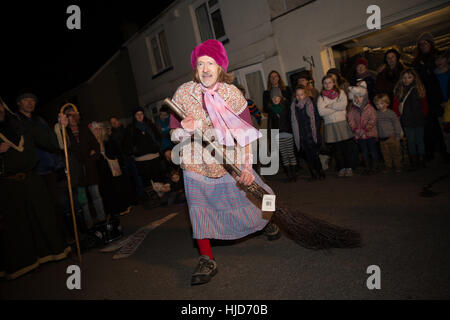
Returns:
<point x="407" y="236"/>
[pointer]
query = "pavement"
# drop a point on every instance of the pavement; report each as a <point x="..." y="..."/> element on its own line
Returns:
<point x="404" y="234"/>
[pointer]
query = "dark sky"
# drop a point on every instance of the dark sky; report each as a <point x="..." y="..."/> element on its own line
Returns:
<point x="39" y="53"/>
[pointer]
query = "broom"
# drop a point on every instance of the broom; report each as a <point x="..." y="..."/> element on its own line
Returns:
<point x="305" y="230"/>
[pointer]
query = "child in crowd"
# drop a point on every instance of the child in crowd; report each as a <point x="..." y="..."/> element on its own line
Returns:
<point x="306" y="123"/>
<point x="332" y="106"/>
<point x="305" y="79"/>
<point x="411" y="106"/>
<point x="254" y="110"/>
<point x="362" y="119"/>
<point x="389" y="133"/>
<point x="276" y="107"/>
<point x="174" y="189"/>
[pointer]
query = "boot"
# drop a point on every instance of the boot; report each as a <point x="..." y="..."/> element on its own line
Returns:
<point x="293" y="173"/>
<point x="287" y="170"/>
<point x="205" y="270"/>
<point x="314" y="175"/>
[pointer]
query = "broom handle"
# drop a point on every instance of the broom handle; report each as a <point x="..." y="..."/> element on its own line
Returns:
<point x="228" y="163"/>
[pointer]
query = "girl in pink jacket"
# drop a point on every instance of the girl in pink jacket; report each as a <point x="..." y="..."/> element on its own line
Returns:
<point x="362" y="119"/>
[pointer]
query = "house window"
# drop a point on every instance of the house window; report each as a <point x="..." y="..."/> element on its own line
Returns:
<point x="159" y="52"/>
<point x="209" y="21"/>
<point x="281" y="7"/>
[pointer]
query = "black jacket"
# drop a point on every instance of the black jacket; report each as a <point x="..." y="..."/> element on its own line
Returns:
<point x="139" y="143"/>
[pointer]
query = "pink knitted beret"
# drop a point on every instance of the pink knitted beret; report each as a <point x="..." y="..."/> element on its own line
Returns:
<point x="211" y="48"/>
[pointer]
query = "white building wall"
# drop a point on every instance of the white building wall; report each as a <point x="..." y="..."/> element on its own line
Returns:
<point x="248" y="28"/>
<point x="310" y="30"/>
<point x="253" y="38"/>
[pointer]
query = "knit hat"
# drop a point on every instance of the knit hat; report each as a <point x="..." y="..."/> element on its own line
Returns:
<point x="275" y="92"/>
<point x="26" y="95"/>
<point x="362" y="61"/>
<point x="426" y="36"/>
<point x="211" y="48"/>
<point x="137" y="109"/>
<point x="358" y="90"/>
<point x="334" y="71"/>
<point x="397" y="54"/>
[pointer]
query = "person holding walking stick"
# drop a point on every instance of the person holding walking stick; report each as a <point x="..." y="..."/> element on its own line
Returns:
<point x="218" y="207"/>
<point x="31" y="234"/>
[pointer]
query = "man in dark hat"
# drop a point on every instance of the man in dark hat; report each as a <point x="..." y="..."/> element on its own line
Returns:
<point x="31" y="233"/>
<point x="390" y="74"/>
<point x="49" y="163"/>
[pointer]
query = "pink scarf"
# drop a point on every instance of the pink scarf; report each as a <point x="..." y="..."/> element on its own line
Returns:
<point x="226" y="123"/>
<point x="331" y="94"/>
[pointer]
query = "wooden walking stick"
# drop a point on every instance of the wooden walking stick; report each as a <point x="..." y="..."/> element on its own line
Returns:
<point x="69" y="182"/>
<point x="304" y="229"/>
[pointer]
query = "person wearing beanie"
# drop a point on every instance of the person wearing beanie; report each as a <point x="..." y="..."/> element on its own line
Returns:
<point x="30" y="232"/>
<point x="143" y="142"/>
<point x="388" y="77"/>
<point x="275" y="81"/>
<point x="218" y="207"/>
<point x="425" y="65"/>
<point x="362" y="73"/>
<point x="362" y="119"/>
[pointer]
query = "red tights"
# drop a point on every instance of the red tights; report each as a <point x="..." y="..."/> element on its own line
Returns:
<point x="205" y="248"/>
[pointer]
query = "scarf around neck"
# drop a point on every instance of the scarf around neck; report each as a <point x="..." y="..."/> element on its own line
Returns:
<point x="330" y="94"/>
<point x="305" y="103"/>
<point x="227" y="124"/>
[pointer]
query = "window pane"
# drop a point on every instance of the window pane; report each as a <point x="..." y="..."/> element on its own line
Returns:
<point x="203" y="22"/>
<point x="212" y="3"/>
<point x="156" y="54"/>
<point x="219" y="29"/>
<point x="165" y="49"/>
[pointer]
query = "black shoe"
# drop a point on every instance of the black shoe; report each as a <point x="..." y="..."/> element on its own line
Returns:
<point x="272" y="232"/>
<point x="205" y="270"/>
<point x="293" y="173"/>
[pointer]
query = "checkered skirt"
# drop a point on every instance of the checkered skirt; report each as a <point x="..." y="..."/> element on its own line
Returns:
<point x="219" y="209"/>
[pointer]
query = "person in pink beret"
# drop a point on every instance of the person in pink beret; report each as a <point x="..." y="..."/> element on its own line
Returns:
<point x="218" y="205"/>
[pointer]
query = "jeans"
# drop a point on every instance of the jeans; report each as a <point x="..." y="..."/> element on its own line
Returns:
<point x="416" y="141"/>
<point x="98" y="205"/>
<point x="369" y="150"/>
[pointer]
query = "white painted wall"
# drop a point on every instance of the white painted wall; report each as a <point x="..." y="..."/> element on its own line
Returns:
<point x="254" y="38"/>
<point x="311" y="29"/>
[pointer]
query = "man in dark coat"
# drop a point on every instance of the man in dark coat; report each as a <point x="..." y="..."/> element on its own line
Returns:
<point x="83" y="151"/>
<point x="31" y="234"/>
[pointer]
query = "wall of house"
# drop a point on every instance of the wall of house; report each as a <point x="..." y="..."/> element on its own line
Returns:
<point x="311" y="29"/>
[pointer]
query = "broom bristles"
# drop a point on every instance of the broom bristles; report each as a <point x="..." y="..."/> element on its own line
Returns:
<point x="313" y="233"/>
<point x="308" y="231"/>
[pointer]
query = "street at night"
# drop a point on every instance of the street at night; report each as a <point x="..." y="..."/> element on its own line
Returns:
<point x="406" y="235"/>
<point x="332" y="117"/>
